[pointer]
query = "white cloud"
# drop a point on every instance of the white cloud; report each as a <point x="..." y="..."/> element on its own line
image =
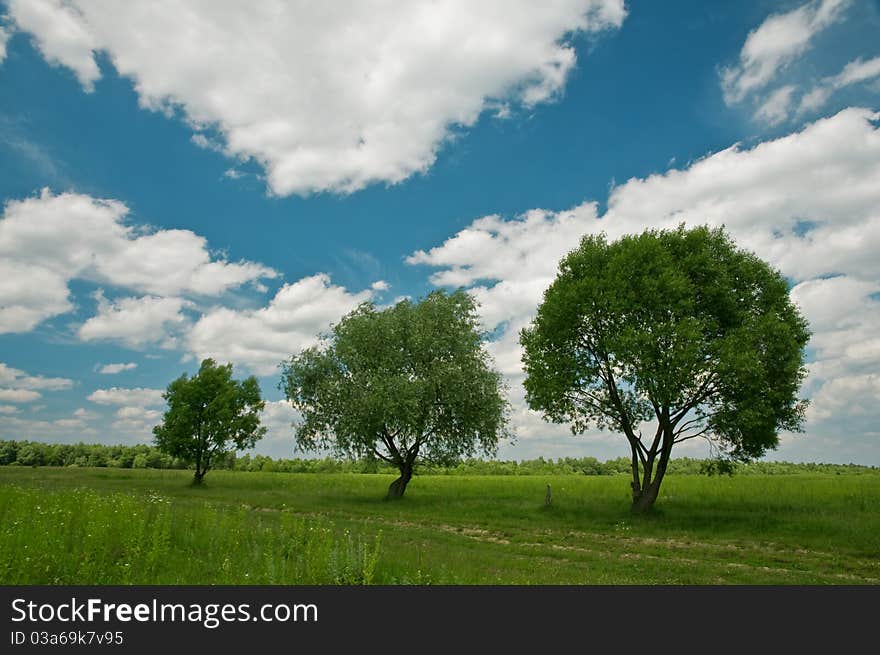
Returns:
<point x="18" y="395"/>
<point x="853" y="395"/>
<point x="204" y="142"/>
<point x="138" y="397"/>
<point x="62" y="35"/>
<point x="85" y="415"/>
<point x="16" y="386"/>
<point x="518" y="256"/>
<point x="775" y="108"/>
<point x="63" y="430"/>
<point x="69" y="423"/>
<point x="774" y="44"/>
<point x="809" y="203"/>
<point x="136" y="422"/>
<point x="844" y="314"/>
<point x="48" y="240"/>
<point x="29" y="295"/>
<point x="135" y="322"/>
<point x="855" y="72"/>
<point x="278" y="417"/>
<point x="137" y="413"/>
<point x="9" y="409"/>
<point x="380" y="285"/>
<point x="113" y="369"/>
<point x="13" y="377"/>
<point x="260" y="339"/>
<point x="324" y="96"/>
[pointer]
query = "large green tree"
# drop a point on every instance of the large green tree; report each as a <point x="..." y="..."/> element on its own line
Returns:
<point x="408" y="381"/>
<point x="208" y="414"/>
<point x="678" y="332"/>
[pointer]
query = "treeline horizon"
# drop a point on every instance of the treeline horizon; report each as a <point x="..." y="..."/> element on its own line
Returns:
<point x="39" y="453"/>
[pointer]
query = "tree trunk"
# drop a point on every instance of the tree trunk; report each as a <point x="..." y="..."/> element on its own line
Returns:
<point x="644" y="501"/>
<point x="197" y="477"/>
<point x="399" y="485"/>
<point x="635" y="485"/>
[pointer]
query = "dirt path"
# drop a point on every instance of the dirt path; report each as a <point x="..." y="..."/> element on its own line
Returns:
<point x="623" y="546"/>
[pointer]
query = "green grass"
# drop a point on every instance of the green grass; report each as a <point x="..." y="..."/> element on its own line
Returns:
<point x="323" y="528"/>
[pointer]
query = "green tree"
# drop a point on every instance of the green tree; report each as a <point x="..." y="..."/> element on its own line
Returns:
<point x="207" y="413"/>
<point x="677" y="328"/>
<point x="399" y="383"/>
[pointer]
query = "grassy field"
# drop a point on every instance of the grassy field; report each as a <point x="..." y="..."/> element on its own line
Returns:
<point x="109" y="526"/>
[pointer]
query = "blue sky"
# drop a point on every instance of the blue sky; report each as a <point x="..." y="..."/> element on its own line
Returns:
<point x="185" y="181"/>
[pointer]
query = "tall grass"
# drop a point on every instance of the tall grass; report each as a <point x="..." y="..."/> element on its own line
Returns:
<point x="82" y="537"/>
<point x="152" y="526"/>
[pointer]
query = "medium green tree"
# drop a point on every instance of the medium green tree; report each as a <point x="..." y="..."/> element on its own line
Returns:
<point x="408" y="381"/>
<point x="678" y="330"/>
<point x="207" y="414"/>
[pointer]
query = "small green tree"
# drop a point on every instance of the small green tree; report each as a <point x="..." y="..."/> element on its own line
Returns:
<point x="207" y="413"/>
<point x="679" y="328"/>
<point x="399" y="383"/>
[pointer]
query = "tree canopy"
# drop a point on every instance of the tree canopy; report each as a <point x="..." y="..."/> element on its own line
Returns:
<point x="209" y="413"/>
<point x="408" y="381"/>
<point x="678" y="330"/>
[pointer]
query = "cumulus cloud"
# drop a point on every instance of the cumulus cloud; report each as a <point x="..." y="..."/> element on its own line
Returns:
<point x="324" y="96"/>
<point x="136" y="422"/>
<point x="808" y="202"/>
<point x="85" y="415"/>
<point x="16" y="386"/>
<point x="135" y="322"/>
<point x="13" y="426"/>
<point x="113" y="369"/>
<point x="48" y="240"/>
<point x="278" y="417"/>
<point x="774" y="44"/>
<point x="137" y="397"/>
<point x="261" y="338"/>
<point x="18" y="395"/>
<point x="855" y="72"/>
<point x="516" y="259"/>
<point x="13" y="377"/>
<point x="854" y="395"/>
<point x="63" y="430"/>
<point x="139" y="410"/>
<point x="29" y="295"/>
<point x="62" y="35"/>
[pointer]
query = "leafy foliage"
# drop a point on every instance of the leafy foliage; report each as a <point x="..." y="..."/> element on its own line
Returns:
<point x="679" y="328"/>
<point x="208" y="414"/>
<point x="399" y="383"/>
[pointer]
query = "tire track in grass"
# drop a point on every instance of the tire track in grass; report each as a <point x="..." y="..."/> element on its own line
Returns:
<point x="488" y="536"/>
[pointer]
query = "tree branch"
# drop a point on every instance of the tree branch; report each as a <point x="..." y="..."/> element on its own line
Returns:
<point x="382" y="457"/>
<point x="702" y="393"/>
<point x="691" y="436"/>
<point x="686" y="425"/>
<point x="388" y="440"/>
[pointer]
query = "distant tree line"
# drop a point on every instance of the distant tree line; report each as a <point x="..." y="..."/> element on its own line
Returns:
<point x="37" y="453"/>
